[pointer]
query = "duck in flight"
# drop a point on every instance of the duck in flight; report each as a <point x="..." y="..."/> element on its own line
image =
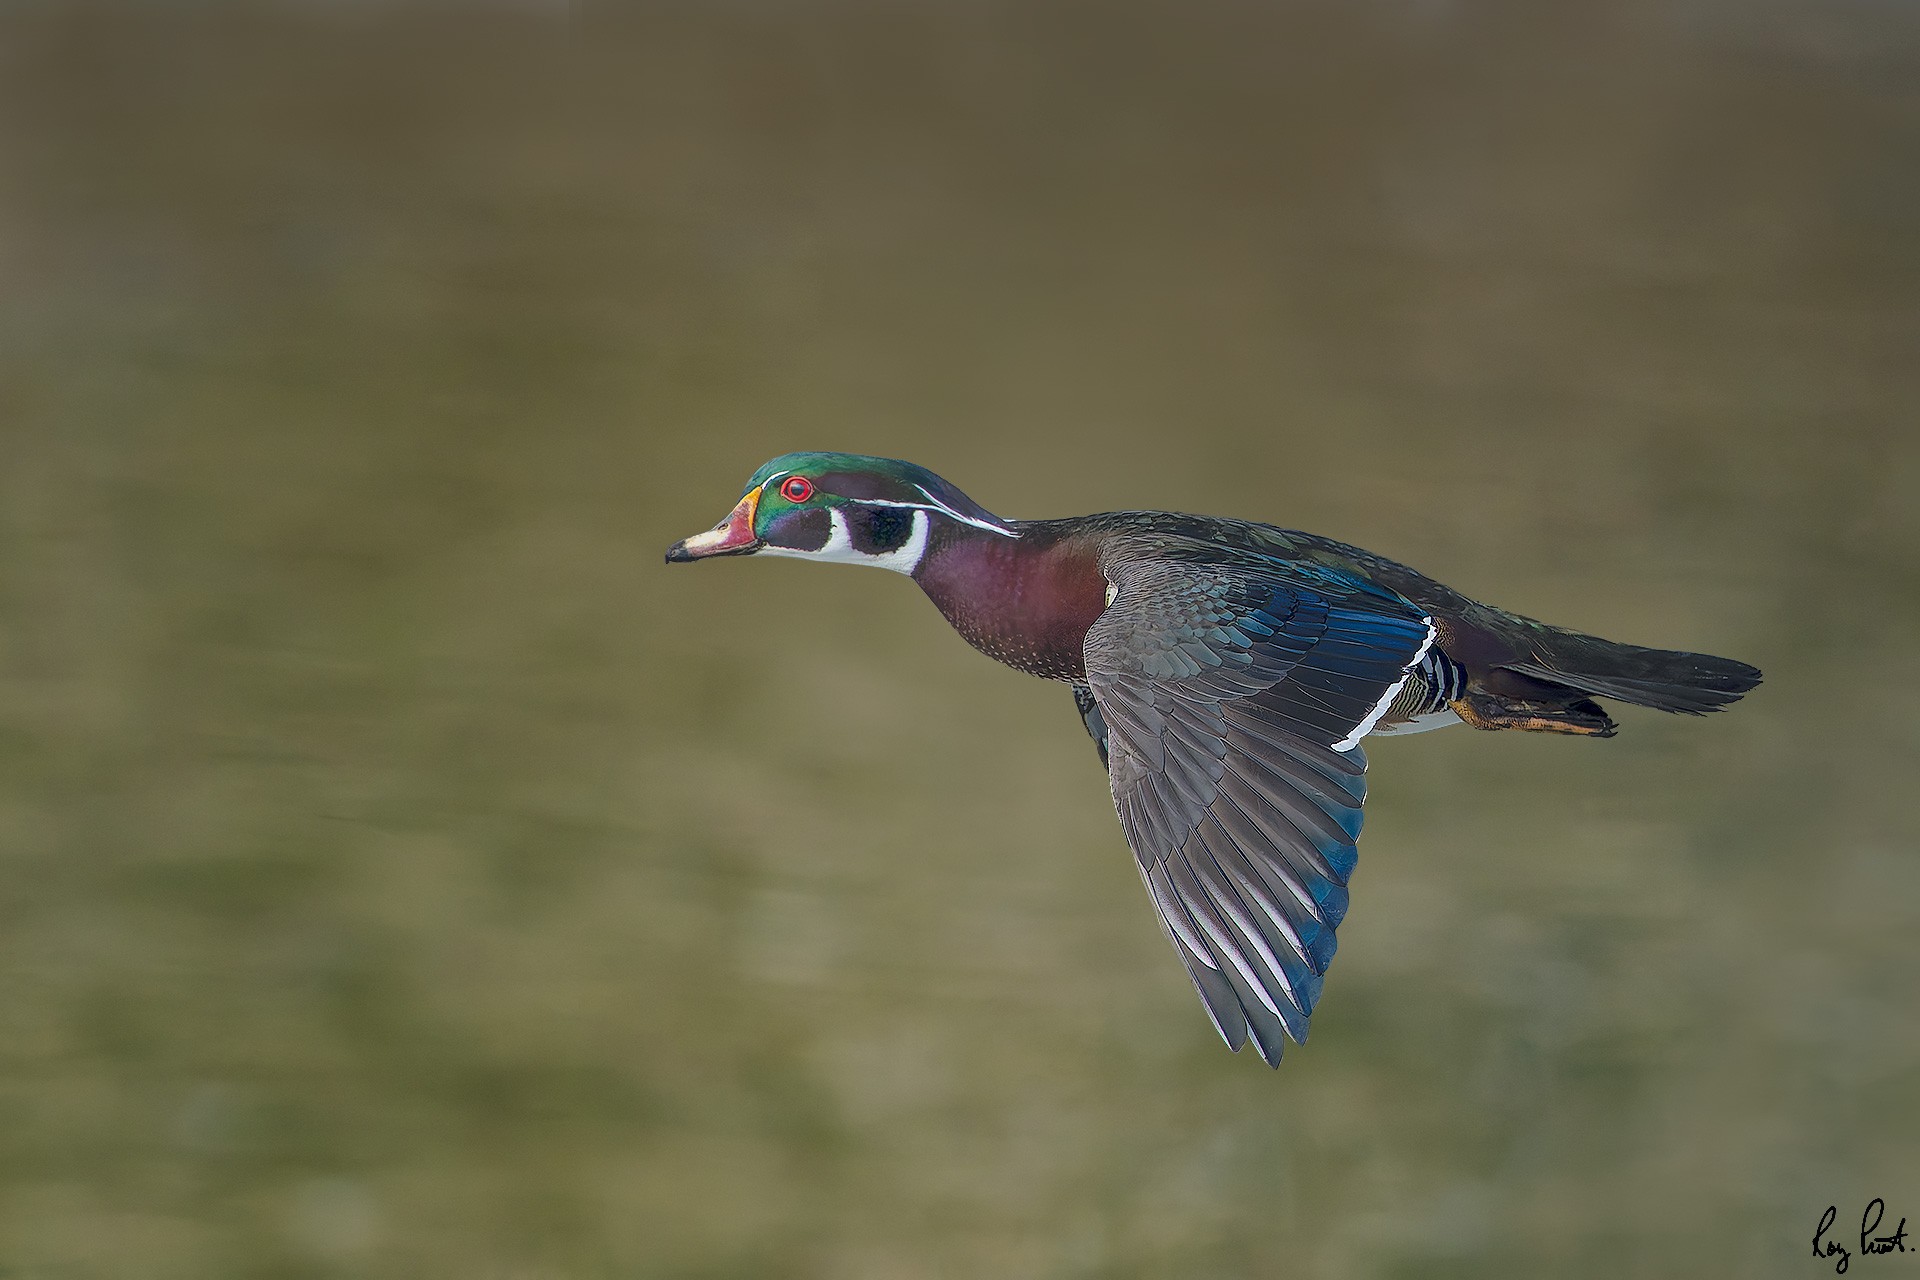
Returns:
<point x="1227" y="672"/>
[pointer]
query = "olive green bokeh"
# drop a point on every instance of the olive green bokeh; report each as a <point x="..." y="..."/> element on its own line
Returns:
<point x="403" y="874"/>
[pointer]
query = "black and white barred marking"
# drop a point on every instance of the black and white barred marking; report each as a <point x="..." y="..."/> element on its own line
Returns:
<point x="1445" y="681"/>
<point x="1434" y="683"/>
<point x="1367" y="725"/>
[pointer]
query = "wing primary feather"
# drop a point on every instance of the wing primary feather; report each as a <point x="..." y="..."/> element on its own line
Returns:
<point x="1292" y="874"/>
<point x="1266" y="1027"/>
<point x="1320" y="908"/>
<point x="1264" y="928"/>
<point x="1216" y="993"/>
<point x="1177" y="918"/>
<point x="1227" y="951"/>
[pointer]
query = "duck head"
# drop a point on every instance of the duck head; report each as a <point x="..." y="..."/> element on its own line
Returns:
<point x="841" y="507"/>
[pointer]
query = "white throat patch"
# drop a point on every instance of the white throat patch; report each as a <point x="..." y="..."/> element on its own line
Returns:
<point x="840" y="549"/>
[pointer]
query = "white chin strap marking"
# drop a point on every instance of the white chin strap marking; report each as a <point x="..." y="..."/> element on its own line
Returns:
<point x="906" y="558"/>
<point x="840" y="548"/>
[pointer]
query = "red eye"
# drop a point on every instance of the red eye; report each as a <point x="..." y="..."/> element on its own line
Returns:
<point x="796" y="489"/>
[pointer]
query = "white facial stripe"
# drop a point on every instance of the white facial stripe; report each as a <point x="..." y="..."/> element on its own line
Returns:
<point x="1365" y="727"/>
<point x="1002" y="530"/>
<point x="934" y="504"/>
<point x="771" y="480"/>
<point x="995" y="525"/>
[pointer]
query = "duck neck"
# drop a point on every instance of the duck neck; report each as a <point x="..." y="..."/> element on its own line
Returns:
<point x="1026" y="601"/>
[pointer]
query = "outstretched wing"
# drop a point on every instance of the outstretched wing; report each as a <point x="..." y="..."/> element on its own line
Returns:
<point x="1234" y="700"/>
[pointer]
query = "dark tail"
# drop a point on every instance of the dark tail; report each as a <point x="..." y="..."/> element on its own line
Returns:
<point x="1665" y="679"/>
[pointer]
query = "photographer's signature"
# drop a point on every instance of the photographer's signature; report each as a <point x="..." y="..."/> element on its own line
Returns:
<point x="1870" y="1243"/>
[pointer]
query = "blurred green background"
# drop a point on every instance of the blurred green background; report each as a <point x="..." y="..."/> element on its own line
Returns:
<point x="404" y="874"/>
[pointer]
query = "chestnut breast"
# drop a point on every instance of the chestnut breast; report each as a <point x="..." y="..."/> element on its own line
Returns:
<point x="1025" y="601"/>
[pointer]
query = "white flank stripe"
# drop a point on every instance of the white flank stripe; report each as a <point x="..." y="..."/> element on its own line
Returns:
<point x="1365" y="727"/>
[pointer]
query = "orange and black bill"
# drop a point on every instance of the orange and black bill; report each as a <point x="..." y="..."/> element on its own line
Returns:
<point x="733" y="536"/>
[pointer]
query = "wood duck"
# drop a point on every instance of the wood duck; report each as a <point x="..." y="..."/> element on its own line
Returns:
<point x="1226" y="672"/>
